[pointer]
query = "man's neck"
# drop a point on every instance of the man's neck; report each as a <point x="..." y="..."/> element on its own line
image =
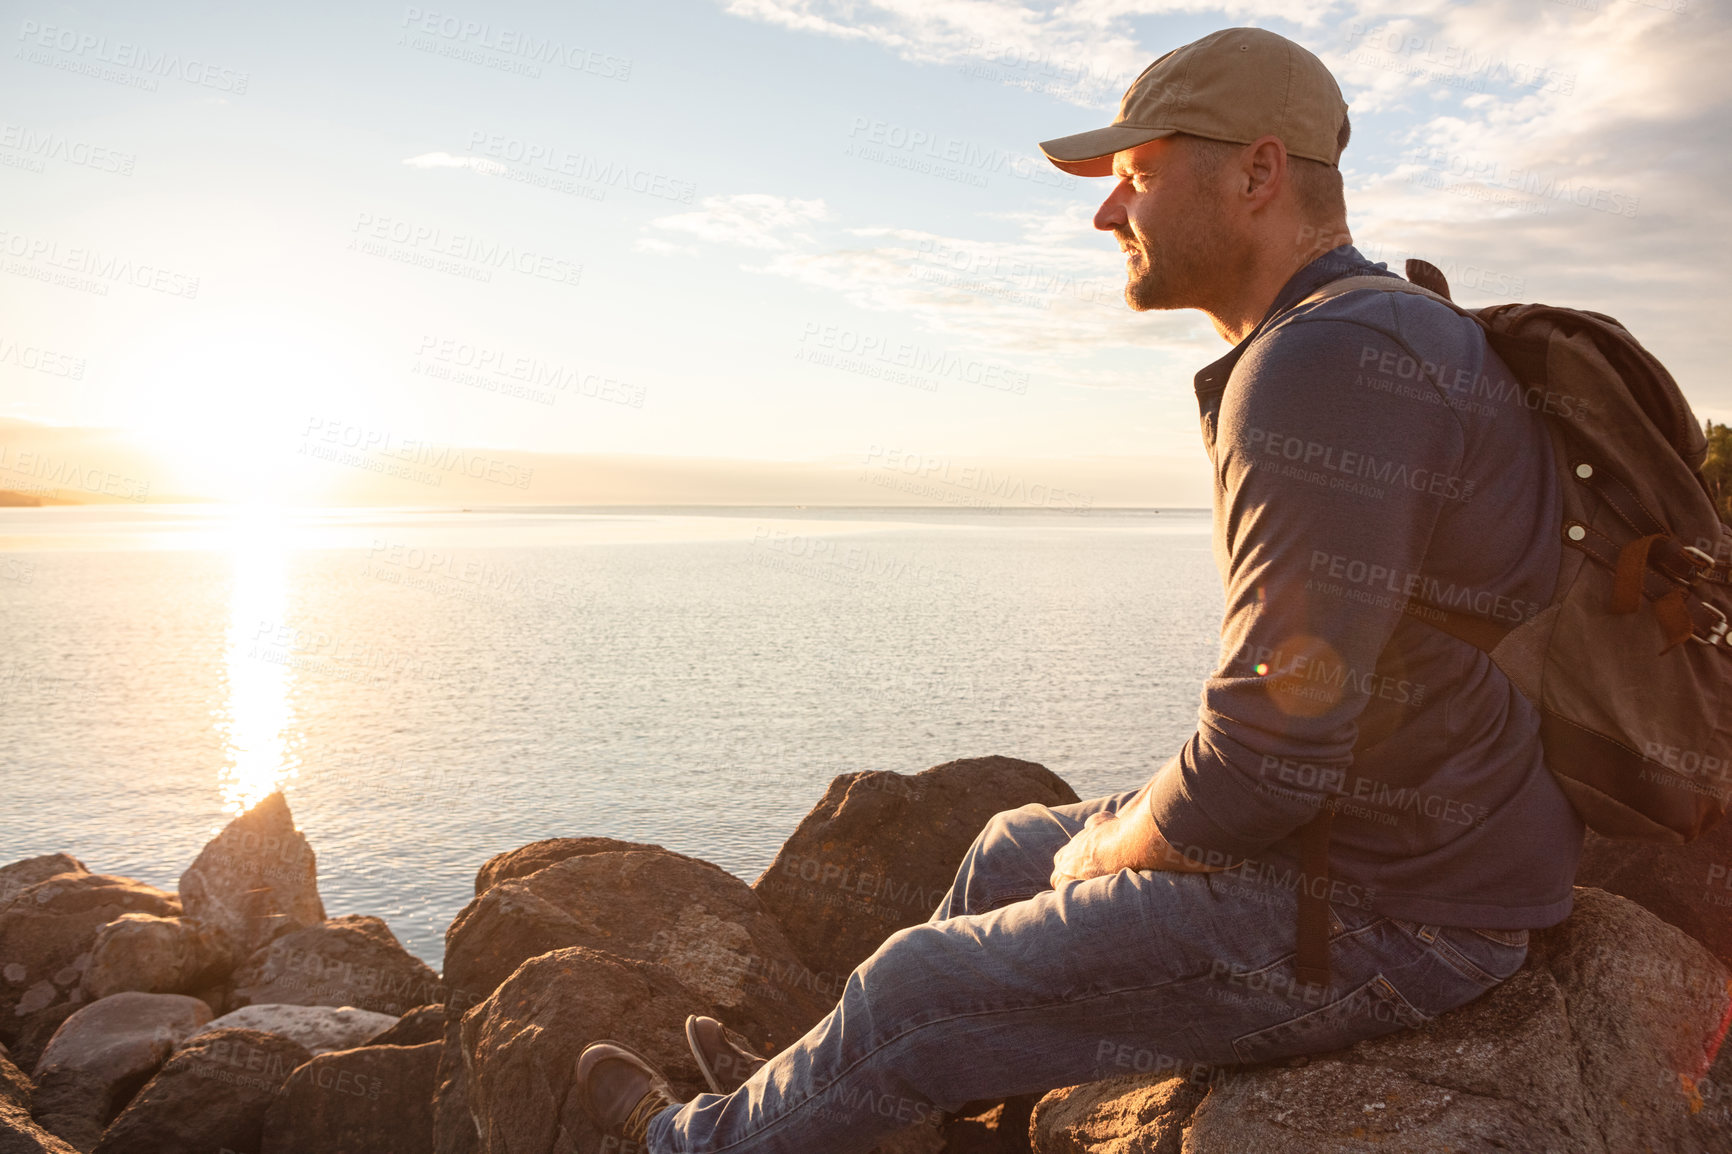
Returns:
<point x="1246" y="299"/>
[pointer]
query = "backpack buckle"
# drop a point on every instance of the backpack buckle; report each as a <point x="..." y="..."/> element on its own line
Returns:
<point x="1717" y="633"/>
<point x="1701" y="558"/>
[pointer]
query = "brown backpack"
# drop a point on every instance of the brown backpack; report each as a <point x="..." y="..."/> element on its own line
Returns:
<point x="1630" y="662"/>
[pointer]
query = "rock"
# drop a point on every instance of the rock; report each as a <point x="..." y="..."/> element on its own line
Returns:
<point x="419" y="1025"/>
<point x="703" y="923"/>
<point x="15" y="1086"/>
<point x="74" y="1107"/>
<point x="372" y="1100"/>
<point x="320" y="1029"/>
<point x="36" y="1030"/>
<point x="881" y="850"/>
<point x="1002" y="1129"/>
<point x="210" y="1097"/>
<point x="156" y="955"/>
<point x="347" y="961"/>
<point x="124" y="1033"/>
<point x="46" y="933"/>
<point x="1689" y="886"/>
<point x="256" y="879"/>
<point x="454" y="1129"/>
<point x="20" y="1135"/>
<point x="1595" y="1047"/>
<point x="538" y="855"/>
<point x="541" y="1018"/>
<point x="102" y="1054"/>
<point x="21" y="875"/>
<point x="1123" y="1115"/>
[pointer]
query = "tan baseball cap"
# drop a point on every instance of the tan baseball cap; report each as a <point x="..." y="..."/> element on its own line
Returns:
<point x="1237" y="85"/>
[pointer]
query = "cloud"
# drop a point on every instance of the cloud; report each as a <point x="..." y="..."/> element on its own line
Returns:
<point x="446" y="160"/>
<point x="1568" y="161"/>
<point x="1050" y="293"/>
<point x="656" y="246"/>
<point x="1080" y="53"/>
<point x="750" y="220"/>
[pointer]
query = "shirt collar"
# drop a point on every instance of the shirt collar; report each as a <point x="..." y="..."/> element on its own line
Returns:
<point x="1332" y="265"/>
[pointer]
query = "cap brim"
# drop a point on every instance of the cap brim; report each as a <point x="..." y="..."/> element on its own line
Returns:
<point x="1091" y="153"/>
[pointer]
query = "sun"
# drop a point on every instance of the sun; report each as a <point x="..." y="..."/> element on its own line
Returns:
<point x="224" y="406"/>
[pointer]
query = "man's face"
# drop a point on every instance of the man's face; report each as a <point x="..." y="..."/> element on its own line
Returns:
<point x="1169" y="225"/>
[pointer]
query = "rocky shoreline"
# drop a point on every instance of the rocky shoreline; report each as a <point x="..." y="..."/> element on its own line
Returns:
<point x="235" y="1017"/>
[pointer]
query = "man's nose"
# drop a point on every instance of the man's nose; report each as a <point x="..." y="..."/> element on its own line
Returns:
<point x="1111" y="214"/>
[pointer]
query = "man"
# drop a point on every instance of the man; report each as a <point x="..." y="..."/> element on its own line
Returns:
<point x="1358" y="464"/>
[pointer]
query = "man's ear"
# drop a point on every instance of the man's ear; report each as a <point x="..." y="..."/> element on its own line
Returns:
<point x="1262" y="170"/>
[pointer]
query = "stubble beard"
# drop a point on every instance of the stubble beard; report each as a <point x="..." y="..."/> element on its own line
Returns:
<point x="1175" y="268"/>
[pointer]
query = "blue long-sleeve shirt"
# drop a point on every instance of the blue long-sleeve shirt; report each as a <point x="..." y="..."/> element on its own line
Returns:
<point x="1370" y="450"/>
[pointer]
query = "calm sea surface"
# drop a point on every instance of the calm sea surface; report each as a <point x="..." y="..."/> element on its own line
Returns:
<point x="431" y="688"/>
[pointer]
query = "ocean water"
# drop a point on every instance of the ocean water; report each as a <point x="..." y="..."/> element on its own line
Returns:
<point x="431" y="688"/>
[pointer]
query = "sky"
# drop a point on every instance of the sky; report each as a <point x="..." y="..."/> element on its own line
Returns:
<point x="284" y="247"/>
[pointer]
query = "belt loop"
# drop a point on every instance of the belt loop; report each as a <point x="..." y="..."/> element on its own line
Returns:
<point x="1427" y="934"/>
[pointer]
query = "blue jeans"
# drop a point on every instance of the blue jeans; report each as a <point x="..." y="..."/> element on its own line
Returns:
<point x="1015" y="988"/>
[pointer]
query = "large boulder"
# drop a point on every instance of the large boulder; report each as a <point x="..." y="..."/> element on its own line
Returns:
<point x="704" y="924"/>
<point x="346" y="961"/>
<point x="21" y="875"/>
<point x="1687" y="885"/>
<point x="102" y="1054"/>
<point x="538" y="855"/>
<point x="881" y="850"/>
<point x="522" y="1042"/>
<point x="255" y="880"/>
<point x="211" y="1096"/>
<point x="46" y="934"/>
<point x="156" y="955"/>
<point x="1597" y="1046"/>
<point x="372" y="1100"/>
<point x="320" y="1029"/>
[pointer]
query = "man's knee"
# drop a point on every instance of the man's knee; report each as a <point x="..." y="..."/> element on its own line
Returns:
<point x="1011" y="853"/>
<point x="1015" y="826"/>
<point x="905" y="975"/>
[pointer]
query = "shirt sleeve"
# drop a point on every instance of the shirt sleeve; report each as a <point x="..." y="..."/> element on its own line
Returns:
<point x="1331" y="471"/>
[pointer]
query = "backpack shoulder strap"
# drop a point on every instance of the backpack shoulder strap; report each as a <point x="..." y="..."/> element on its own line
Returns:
<point x="1311" y="947"/>
<point x="1391" y="284"/>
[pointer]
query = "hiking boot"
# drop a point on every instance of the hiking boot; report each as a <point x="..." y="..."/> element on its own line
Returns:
<point x="621" y="1091"/>
<point x="722" y="1058"/>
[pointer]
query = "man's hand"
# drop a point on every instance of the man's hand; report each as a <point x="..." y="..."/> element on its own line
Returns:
<point x="1109" y="843"/>
<point x="1092" y="853"/>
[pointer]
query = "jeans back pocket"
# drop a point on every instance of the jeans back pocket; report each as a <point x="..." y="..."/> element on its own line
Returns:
<point x="1483" y="957"/>
<point x="1367" y="1011"/>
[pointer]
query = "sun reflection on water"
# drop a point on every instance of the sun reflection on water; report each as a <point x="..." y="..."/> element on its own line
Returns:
<point x="257" y="720"/>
